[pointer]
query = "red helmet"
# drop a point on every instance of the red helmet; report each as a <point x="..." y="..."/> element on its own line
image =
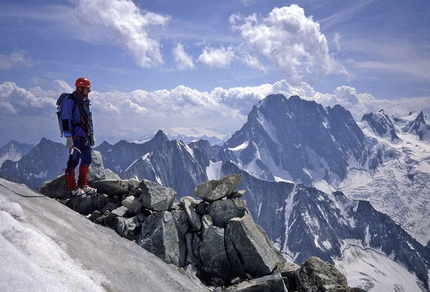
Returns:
<point x="82" y="82"/>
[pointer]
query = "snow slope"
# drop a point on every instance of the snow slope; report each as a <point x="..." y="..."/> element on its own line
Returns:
<point x="46" y="246"/>
<point x="400" y="187"/>
<point x="373" y="271"/>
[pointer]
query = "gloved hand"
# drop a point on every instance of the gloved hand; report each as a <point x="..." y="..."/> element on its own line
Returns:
<point x="92" y="139"/>
<point x="69" y="142"/>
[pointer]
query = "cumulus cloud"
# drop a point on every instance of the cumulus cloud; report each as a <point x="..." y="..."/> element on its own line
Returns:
<point x="289" y="40"/>
<point x="130" y="25"/>
<point x="217" y="58"/>
<point x="15" y="100"/>
<point x="15" y="59"/>
<point x="182" y="59"/>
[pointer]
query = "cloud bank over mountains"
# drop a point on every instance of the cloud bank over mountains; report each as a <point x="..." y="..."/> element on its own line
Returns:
<point x="130" y="115"/>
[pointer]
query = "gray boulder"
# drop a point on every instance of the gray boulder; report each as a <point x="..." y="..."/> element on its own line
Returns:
<point x="222" y="211"/>
<point x="160" y="237"/>
<point x="156" y="197"/>
<point x="86" y="205"/>
<point x="213" y="253"/>
<point x="97" y="169"/>
<point x="181" y="221"/>
<point x="270" y="283"/>
<point x="237" y="270"/>
<point x="217" y="189"/>
<point x="189" y="204"/>
<point x="127" y="227"/>
<point x="132" y="203"/>
<point x="259" y="257"/>
<point x="288" y="271"/>
<point x="116" y="187"/>
<point x="55" y="188"/>
<point x="316" y="275"/>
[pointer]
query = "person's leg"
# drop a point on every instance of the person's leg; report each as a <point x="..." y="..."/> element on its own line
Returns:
<point x="72" y="162"/>
<point x="70" y="179"/>
<point x="83" y="175"/>
<point x="86" y="159"/>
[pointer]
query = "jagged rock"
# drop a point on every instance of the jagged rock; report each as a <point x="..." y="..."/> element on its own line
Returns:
<point x="181" y="221"/>
<point x="236" y="195"/>
<point x="189" y="204"/>
<point x="118" y="212"/>
<point x="288" y="271"/>
<point x="215" y="237"/>
<point x="127" y="227"/>
<point x="97" y="169"/>
<point x="132" y="203"/>
<point x="317" y="275"/>
<point x="257" y="254"/>
<point x="201" y="208"/>
<point x="110" y="205"/>
<point x="212" y="251"/>
<point x="115" y="187"/>
<point x="86" y="205"/>
<point x="193" y="245"/>
<point x="268" y="283"/>
<point x="237" y="270"/>
<point x="160" y="237"/>
<point x="101" y="219"/>
<point x="156" y="197"/>
<point x="217" y="189"/>
<point x="96" y="214"/>
<point x="55" y="188"/>
<point x="222" y="211"/>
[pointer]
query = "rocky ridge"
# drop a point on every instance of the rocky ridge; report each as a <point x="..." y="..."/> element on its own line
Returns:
<point x="210" y="233"/>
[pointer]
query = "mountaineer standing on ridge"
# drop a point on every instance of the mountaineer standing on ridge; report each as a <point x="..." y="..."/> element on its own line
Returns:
<point x="77" y="126"/>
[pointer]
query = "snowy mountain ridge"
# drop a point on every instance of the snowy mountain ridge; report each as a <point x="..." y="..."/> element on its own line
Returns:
<point x="13" y="151"/>
<point x="400" y="185"/>
<point x="295" y="157"/>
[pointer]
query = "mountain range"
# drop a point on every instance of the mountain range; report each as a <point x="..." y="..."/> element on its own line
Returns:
<point x="318" y="182"/>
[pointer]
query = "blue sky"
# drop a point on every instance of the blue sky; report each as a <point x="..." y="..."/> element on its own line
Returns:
<point x="200" y="66"/>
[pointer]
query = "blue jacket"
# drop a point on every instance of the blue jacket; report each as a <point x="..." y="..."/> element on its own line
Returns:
<point x="73" y="123"/>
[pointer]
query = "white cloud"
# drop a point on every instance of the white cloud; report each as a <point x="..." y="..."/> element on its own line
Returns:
<point x="131" y="115"/>
<point x="337" y="38"/>
<point x="217" y="58"/>
<point x="130" y="25"/>
<point x="289" y="40"/>
<point x="15" y="59"/>
<point x="182" y="59"/>
<point x="15" y="100"/>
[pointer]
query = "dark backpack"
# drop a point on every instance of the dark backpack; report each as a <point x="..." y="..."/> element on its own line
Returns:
<point x="59" y="109"/>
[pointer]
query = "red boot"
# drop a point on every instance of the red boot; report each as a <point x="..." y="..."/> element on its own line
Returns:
<point x="83" y="175"/>
<point x="70" y="179"/>
<point x="83" y="180"/>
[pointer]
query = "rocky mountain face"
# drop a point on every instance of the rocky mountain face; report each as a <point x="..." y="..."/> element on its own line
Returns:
<point x="381" y="124"/>
<point x="297" y="140"/>
<point x="283" y="149"/>
<point x="418" y="126"/>
<point x="14" y="151"/>
<point x="45" y="161"/>
<point x="215" y="236"/>
<point x="171" y="163"/>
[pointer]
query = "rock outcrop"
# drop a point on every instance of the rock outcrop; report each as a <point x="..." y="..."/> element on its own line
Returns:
<point x="211" y="234"/>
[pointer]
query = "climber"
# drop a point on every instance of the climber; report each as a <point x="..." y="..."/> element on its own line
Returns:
<point x="77" y="126"/>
